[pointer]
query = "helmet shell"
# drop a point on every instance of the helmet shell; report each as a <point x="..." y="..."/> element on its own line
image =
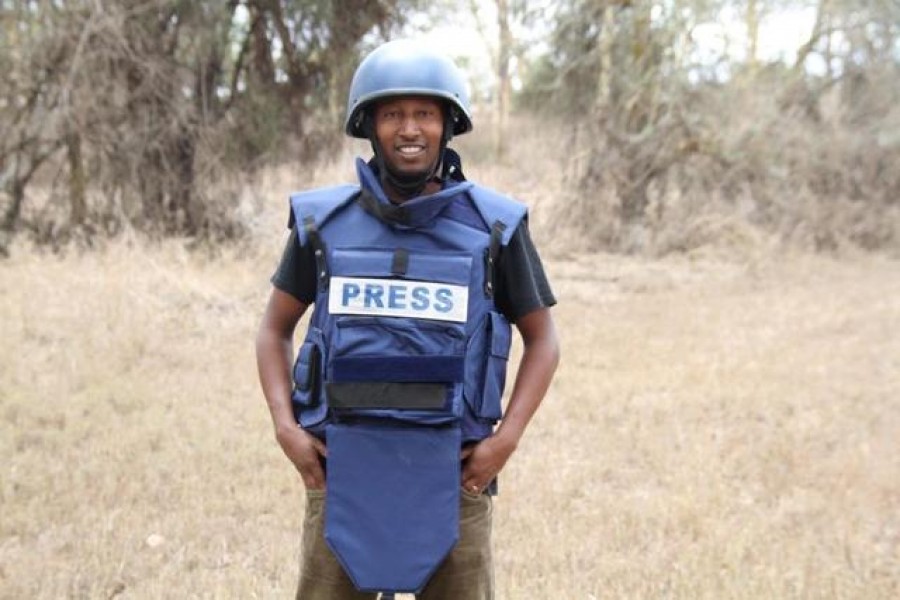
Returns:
<point x="407" y="68"/>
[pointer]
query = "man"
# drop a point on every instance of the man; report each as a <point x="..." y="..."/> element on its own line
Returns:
<point x="415" y="275"/>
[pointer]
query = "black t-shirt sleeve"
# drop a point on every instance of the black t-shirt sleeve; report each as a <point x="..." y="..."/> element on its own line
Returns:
<point x="296" y="273"/>
<point x="520" y="282"/>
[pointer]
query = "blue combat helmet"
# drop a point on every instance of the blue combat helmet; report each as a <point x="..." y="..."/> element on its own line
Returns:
<point x="404" y="68"/>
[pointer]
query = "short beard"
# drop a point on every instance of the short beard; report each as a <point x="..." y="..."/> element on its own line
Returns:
<point x="408" y="185"/>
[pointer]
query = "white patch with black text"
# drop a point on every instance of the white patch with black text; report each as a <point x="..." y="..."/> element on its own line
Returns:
<point x="398" y="298"/>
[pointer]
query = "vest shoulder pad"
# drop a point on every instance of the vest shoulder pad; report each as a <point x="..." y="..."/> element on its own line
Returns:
<point x="495" y="206"/>
<point x="319" y="204"/>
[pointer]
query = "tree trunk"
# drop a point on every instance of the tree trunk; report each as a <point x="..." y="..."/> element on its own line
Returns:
<point x="605" y="61"/>
<point x="261" y="47"/>
<point x="77" y="180"/>
<point x="16" y="190"/>
<point x="298" y="80"/>
<point x="186" y="215"/>
<point x="752" y="35"/>
<point x="504" y="87"/>
<point x="344" y="23"/>
<point x="818" y="31"/>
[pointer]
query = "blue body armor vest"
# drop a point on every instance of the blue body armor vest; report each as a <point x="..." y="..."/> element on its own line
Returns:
<point x="406" y="305"/>
<point x="405" y="359"/>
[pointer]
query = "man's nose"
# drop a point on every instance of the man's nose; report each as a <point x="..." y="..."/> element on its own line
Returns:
<point x="409" y="126"/>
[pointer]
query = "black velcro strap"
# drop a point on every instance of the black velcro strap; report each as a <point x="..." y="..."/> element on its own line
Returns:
<point x="386" y="395"/>
<point x="318" y="246"/>
<point x="491" y="255"/>
<point x="400" y="263"/>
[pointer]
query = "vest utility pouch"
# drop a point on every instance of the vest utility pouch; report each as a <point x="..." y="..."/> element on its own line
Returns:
<point x="399" y="338"/>
<point x="385" y="349"/>
<point x="415" y="368"/>
<point x="308" y="374"/>
<point x="488" y="355"/>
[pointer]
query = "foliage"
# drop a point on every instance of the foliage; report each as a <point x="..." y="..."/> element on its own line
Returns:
<point x="657" y="123"/>
<point x="143" y="105"/>
<point x="149" y="114"/>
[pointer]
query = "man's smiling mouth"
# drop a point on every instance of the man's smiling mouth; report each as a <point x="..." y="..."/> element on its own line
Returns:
<point x="410" y="149"/>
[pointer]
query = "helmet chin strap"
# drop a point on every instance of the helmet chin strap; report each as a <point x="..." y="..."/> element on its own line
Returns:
<point x="408" y="185"/>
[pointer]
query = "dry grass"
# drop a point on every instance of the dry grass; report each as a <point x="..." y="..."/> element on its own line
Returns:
<point x="718" y="429"/>
<point x="714" y="432"/>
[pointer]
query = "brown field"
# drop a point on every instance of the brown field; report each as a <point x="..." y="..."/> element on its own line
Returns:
<point x="719" y="428"/>
<point x="725" y="423"/>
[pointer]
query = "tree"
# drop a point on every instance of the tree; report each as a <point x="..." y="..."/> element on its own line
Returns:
<point x="657" y="120"/>
<point x="145" y="104"/>
<point x="616" y="64"/>
<point x="33" y="63"/>
<point x="504" y="86"/>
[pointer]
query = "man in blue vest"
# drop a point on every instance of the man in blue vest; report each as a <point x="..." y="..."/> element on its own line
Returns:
<point x="390" y="403"/>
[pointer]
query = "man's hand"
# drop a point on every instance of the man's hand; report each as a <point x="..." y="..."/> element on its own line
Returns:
<point x="483" y="461"/>
<point x="274" y="353"/>
<point x="305" y="451"/>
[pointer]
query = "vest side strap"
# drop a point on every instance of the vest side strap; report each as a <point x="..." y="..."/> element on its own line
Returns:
<point x="318" y="246"/>
<point x="491" y="256"/>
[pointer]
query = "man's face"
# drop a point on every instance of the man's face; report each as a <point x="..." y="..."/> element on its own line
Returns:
<point x="409" y="131"/>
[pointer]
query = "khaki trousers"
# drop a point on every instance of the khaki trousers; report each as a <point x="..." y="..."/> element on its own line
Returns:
<point x="466" y="573"/>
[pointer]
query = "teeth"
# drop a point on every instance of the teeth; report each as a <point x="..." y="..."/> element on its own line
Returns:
<point x="409" y="149"/>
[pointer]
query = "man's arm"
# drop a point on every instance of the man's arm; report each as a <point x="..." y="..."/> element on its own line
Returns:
<point x="539" y="359"/>
<point x="274" y="354"/>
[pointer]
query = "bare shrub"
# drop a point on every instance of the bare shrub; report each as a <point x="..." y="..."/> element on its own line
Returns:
<point x="822" y="176"/>
<point x="144" y="114"/>
<point x="658" y="139"/>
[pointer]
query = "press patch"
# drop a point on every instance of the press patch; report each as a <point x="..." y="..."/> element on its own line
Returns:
<point x="398" y="298"/>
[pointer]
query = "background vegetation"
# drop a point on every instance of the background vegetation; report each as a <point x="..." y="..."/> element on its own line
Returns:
<point x="153" y="115"/>
<point x="724" y="422"/>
